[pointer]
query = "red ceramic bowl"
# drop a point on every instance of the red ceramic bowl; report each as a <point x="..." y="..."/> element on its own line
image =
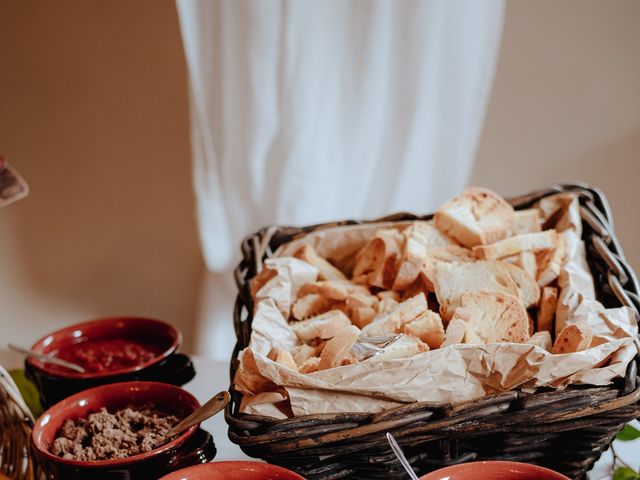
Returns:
<point x="494" y="470"/>
<point x="165" y="397"/>
<point x="160" y="337"/>
<point x="234" y="471"/>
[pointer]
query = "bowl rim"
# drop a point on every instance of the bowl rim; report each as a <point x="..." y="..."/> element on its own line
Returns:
<point x="42" y="342"/>
<point x="553" y="475"/>
<point x="230" y="463"/>
<point x="118" y="387"/>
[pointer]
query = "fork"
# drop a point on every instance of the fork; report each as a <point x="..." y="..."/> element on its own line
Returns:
<point x="367" y="347"/>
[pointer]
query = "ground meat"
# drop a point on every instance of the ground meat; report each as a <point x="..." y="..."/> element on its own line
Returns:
<point x="106" y="436"/>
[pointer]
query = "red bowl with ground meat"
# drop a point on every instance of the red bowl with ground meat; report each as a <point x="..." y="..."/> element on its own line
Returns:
<point x="234" y="471"/>
<point x="192" y="447"/>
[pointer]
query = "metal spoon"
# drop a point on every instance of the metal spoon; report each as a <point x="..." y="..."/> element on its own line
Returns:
<point x="399" y="453"/>
<point x="207" y="410"/>
<point x="48" y="358"/>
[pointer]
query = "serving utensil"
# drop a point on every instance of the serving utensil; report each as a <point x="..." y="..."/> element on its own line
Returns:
<point x="208" y="410"/>
<point x="367" y="347"/>
<point x="48" y="358"/>
<point x="400" y="455"/>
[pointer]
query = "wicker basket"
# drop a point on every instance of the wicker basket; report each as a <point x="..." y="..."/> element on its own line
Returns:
<point x="565" y="431"/>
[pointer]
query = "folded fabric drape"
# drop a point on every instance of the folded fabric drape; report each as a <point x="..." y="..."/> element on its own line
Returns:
<point x="303" y="112"/>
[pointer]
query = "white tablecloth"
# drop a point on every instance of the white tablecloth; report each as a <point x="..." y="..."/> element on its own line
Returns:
<point x="213" y="377"/>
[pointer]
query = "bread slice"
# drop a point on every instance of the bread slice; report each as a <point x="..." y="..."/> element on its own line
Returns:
<point x="260" y="280"/>
<point x="528" y="262"/>
<point x="550" y="262"/>
<point x="547" y="310"/>
<point x="362" y="316"/>
<point x="395" y="318"/>
<point x="385" y="305"/>
<point x="542" y="340"/>
<point x="388" y="294"/>
<point x="326" y="271"/>
<point x="476" y="217"/>
<point x="452" y="280"/>
<point x="456" y="332"/>
<point x="310" y="305"/>
<point x="405" y="347"/>
<point x="302" y="353"/>
<point x="339" y="347"/>
<point x="419" y="238"/>
<point x="427" y="327"/>
<point x="283" y="357"/>
<point x="377" y="262"/>
<point x="334" y="289"/>
<point x="494" y="317"/>
<point x="323" y="326"/>
<point x="515" y="245"/>
<point x="452" y="254"/>
<point x="526" y="221"/>
<point x="573" y="338"/>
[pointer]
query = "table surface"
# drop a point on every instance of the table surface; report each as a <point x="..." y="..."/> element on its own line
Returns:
<point x="213" y="376"/>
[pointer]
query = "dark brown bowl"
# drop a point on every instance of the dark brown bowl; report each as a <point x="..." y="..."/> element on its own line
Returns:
<point x="192" y="447"/>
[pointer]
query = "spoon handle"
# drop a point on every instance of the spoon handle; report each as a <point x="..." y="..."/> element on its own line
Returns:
<point x="47" y="358"/>
<point x="207" y="410"/>
<point x="400" y="454"/>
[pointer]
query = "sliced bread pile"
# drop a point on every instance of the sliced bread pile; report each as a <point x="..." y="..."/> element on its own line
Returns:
<point x="478" y="273"/>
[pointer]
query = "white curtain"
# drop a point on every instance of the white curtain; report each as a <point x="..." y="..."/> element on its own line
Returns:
<point x="306" y="111"/>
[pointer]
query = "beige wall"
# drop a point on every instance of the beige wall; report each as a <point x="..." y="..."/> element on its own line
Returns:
<point x="566" y="104"/>
<point x="93" y="112"/>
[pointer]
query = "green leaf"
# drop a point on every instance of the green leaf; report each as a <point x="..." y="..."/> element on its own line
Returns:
<point x="29" y="392"/>
<point x="628" y="433"/>
<point x="624" y="473"/>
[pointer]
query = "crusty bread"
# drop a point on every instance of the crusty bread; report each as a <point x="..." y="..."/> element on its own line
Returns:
<point x="515" y="245"/>
<point x="550" y="262"/>
<point x="427" y="327"/>
<point x="310" y="305"/>
<point x="452" y="254"/>
<point x="541" y="339"/>
<point x="547" y="309"/>
<point x="326" y="271"/>
<point x="388" y="294"/>
<point x="406" y="346"/>
<point x="302" y="353"/>
<point x="456" y="332"/>
<point x="395" y="318"/>
<point x="476" y="217"/>
<point x="260" y="280"/>
<point x="362" y="316"/>
<point x="573" y="338"/>
<point x="339" y="347"/>
<point x="526" y="221"/>
<point x="357" y="301"/>
<point x="334" y="289"/>
<point x="377" y="262"/>
<point x="419" y="238"/>
<point x="452" y="280"/>
<point x="528" y="262"/>
<point x="385" y="305"/>
<point x="283" y="357"/>
<point x="323" y="326"/>
<point x="494" y="317"/>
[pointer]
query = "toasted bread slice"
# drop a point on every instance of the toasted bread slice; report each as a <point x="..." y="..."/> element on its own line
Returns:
<point x="494" y="317"/>
<point x="385" y="305"/>
<point x="323" y="326"/>
<point x="526" y="221"/>
<point x="362" y="316"/>
<point x="476" y="217"/>
<point x="260" y="280"/>
<point x="282" y="357"/>
<point x="310" y="305"/>
<point x="419" y="238"/>
<point x="452" y="254"/>
<point x="515" y="245"/>
<point x="456" y="332"/>
<point x="547" y="310"/>
<point x="334" y="289"/>
<point x="427" y="327"/>
<point x="541" y="339"/>
<point x="406" y="346"/>
<point x="377" y="262"/>
<point x="550" y="262"/>
<point x="394" y="319"/>
<point x="528" y="262"/>
<point x="573" y="338"/>
<point x="326" y="271"/>
<point x="452" y="280"/>
<point x="388" y="294"/>
<point x="339" y="347"/>
<point x="302" y="353"/>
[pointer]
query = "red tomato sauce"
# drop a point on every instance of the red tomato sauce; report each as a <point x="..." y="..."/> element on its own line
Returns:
<point x="109" y="354"/>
